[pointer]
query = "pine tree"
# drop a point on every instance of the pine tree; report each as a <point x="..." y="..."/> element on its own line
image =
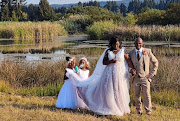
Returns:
<point x="14" y="9"/>
<point x="134" y="6"/>
<point x="79" y="4"/>
<point x="161" y="5"/>
<point x="33" y="12"/>
<point x="123" y="9"/>
<point x="46" y="11"/>
<point x="5" y="14"/>
<point x="14" y="17"/>
<point x="112" y="6"/>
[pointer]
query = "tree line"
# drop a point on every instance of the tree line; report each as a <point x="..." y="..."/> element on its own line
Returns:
<point x="16" y="10"/>
<point x="146" y="11"/>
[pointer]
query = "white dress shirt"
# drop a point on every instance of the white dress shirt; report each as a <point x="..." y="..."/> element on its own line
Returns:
<point x="140" y="52"/>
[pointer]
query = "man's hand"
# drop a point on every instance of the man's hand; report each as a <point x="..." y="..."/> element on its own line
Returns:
<point x="133" y="72"/>
<point x="149" y="76"/>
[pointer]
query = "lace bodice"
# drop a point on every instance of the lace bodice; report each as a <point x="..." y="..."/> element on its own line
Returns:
<point x="119" y="56"/>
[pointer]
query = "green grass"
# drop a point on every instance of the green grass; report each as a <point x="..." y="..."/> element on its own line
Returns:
<point x="49" y="90"/>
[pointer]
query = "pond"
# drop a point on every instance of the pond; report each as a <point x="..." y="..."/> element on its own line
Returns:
<point x="78" y="45"/>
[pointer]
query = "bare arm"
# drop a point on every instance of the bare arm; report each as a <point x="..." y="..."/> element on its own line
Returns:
<point x="106" y="61"/>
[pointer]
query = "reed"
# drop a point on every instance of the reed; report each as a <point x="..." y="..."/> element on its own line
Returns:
<point x="129" y="33"/>
<point x="168" y="76"/>
<point x="24" y="74"/>
<point x="31" y="30"/>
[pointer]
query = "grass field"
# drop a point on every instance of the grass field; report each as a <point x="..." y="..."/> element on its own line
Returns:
<point x="19" y="108"/>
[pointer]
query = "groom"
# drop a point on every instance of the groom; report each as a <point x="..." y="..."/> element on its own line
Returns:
<point x="141" y="58"/>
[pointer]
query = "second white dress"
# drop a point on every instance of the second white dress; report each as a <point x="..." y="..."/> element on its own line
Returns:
<point x="68" y="96"/>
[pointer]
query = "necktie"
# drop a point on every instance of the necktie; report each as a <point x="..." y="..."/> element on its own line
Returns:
<point x="138" y="56"/>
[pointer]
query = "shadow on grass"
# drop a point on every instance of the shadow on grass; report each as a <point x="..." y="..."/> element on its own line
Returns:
<point x="35" y="107"/>
<point x="74" y="111"/>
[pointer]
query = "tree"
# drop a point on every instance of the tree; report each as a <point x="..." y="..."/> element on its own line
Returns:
<point x="91" y="3"/>
<point x="161" y="5"/>
<point x="151" y="16"/>
<point x="14" y="7"/>
<point x="33" y="12"/>
<point x="79" y="4"/>
<point x="14" y="17"/>
<point x="112" y="6"/>
<point x="5" y="14"/>
<point x="173" y="14"/>
<point x="46" y="11"/>
<point x="130" y="19"/>
<point x="123" y="9"/>
<point x="134" y="6"/>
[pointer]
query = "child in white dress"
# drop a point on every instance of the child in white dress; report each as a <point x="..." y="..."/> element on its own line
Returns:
<point x="68" y="96"/>
<point x="84" y="68"/>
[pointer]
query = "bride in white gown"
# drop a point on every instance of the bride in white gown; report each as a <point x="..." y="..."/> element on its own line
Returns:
<point x="106" y="92"/>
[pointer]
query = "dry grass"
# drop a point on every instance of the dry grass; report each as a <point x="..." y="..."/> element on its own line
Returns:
<point x="31" y="30"/>
<point x="20" y="108"/>
<point x="129" y="33"/>
<point x="168" y="75"/>
<point x="27" y="74"/>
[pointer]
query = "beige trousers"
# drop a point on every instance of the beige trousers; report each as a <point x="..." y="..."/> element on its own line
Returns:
<point x="142" y="84"/>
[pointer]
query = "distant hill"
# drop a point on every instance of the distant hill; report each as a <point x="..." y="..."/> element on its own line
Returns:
<point x="102" y="3"/>
<point x="61" y="5"/>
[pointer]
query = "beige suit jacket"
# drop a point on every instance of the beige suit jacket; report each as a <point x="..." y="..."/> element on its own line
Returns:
<point x="142" y="66"/>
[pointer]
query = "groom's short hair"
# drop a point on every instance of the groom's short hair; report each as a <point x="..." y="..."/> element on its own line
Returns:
<point x="137" y="39"/>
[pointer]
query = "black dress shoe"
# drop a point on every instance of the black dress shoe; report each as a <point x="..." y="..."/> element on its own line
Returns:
<point x="140" y="113"/>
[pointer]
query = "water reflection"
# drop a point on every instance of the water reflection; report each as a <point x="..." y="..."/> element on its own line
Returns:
<point x="75" y="45"/>
<point x="30" y="57"/>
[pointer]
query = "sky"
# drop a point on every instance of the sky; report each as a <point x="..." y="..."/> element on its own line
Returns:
<point x="62" y="1"/>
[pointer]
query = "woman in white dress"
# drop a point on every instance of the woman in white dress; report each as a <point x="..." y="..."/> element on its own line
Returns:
<point x="106" y="92"/>
<point x="68" y="96"/>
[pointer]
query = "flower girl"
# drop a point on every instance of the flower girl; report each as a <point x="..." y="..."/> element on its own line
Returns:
<point x="68" y="96"/>
<point x="84" y="68"/>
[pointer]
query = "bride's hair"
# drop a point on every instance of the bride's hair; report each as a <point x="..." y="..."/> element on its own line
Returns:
<point x="112" y="41"/>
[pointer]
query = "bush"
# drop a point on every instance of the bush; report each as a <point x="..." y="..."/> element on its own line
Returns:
<point x="76" y="23"/>
<point x="99" y="29"/>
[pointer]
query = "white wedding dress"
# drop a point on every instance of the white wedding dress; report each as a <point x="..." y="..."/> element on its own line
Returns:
<point x="106" y="92"/>
<point x="68" y="96"/>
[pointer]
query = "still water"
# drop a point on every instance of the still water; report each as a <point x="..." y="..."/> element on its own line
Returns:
<point x="60" y="47"/>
